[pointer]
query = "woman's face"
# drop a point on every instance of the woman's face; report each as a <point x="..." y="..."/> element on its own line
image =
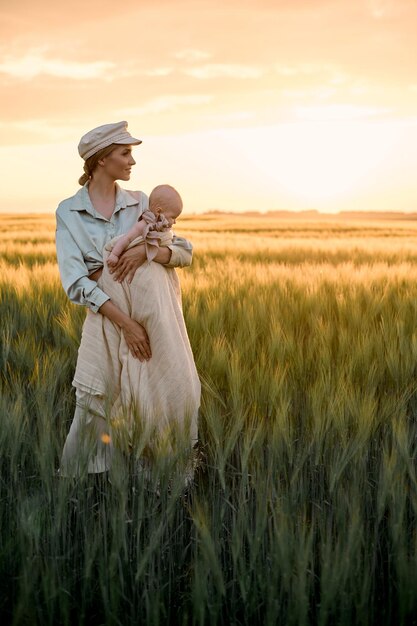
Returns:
<point x="119" y="162"/>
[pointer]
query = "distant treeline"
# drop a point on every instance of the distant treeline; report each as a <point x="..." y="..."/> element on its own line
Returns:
<point x="313" y="213"/>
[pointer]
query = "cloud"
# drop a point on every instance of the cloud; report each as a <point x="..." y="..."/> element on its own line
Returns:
<point x="221" y="70"/>
<point x="191" y="55"/>
<point x="234" y="117"/>
<point x="378" y="8"/>
<point x="159" y="71"/>
<point x="338" y="112"/>
<point x="300" y="69"/>
<point x="334" y="73"/>
<point x="35" y="64"/>
<point x="33" y="131"/>
<point x="167" y="104"/>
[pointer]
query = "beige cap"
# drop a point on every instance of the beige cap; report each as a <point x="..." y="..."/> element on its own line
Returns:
<point x="104" y="136"/>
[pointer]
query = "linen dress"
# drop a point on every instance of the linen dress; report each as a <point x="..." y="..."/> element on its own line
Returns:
<point x="160" y="396"/>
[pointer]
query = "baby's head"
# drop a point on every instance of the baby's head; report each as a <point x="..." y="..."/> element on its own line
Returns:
<point x="165" y="200"/>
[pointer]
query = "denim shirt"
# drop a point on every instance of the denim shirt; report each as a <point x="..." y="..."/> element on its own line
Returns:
<point x="81" y="234"/>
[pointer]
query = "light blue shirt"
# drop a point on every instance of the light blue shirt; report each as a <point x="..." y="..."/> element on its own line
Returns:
<point x="81" y="234"/>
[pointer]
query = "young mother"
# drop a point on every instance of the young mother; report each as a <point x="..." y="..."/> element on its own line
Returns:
<point x="113" y="341"/>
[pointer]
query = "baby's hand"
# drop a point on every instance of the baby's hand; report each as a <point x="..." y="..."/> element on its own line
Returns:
<point x="112" y="260"/>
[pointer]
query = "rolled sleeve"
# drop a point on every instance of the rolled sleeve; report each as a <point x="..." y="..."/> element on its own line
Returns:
<point x="74" y="273"/>
<point x="181" y="253"/>
<point x="95" y="298"/>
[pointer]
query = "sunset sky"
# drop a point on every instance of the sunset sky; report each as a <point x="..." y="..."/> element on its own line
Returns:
<point x="241" y="104"/>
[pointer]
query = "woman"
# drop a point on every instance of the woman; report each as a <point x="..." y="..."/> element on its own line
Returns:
<point x="116" y="363"/>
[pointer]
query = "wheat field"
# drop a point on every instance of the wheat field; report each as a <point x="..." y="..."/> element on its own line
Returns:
<point x="303" y="508"/>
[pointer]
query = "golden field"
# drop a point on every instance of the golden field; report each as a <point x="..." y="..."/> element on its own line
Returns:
<point x="303" y="510"/>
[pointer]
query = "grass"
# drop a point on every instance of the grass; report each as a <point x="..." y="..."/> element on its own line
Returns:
<point x="303" y="510"/>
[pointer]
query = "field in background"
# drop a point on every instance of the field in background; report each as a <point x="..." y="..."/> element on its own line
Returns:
<point x="304" y="507"/>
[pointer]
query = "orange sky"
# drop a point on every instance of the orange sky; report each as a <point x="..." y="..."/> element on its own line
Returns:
<point x="241" y="104"/>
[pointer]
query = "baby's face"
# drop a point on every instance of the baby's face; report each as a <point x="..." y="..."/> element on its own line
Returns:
<point x="171" y="213"/>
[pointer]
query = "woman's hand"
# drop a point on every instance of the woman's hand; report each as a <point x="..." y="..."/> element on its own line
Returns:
<point x="137" y="340"/>
<point x="128" y="263"/>
<point x="136" y="336"/>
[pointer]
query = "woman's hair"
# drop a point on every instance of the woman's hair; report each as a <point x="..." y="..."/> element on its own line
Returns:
<point x="91" y="163"/>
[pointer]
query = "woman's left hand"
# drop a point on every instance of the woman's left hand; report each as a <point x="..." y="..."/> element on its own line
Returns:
<point x="128" y="263"/>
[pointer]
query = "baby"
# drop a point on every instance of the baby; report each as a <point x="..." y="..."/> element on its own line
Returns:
<point x="165" y="205"/>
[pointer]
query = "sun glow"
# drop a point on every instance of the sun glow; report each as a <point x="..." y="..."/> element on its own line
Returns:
<point x="319" y="162"/>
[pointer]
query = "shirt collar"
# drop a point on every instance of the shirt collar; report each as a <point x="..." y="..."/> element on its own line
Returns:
<point x="123" y="199"/>
<point x="81" y="201"/>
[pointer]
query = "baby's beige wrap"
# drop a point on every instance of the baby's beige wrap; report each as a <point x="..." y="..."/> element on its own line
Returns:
<point x="158" y="395"/>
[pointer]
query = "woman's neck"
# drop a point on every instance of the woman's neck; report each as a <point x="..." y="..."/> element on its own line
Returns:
<point x="102" y="194"/>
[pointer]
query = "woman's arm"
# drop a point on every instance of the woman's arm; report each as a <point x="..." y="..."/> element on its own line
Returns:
<point x="133" y="258"/>
<point x="79" y="288"/>
<point x="178" y="254"/>
<point x="136" y="336"/>
<point x="82" y="290"/>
